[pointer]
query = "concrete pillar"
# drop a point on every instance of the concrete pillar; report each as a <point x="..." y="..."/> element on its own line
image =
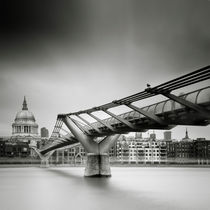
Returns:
<point x="45" y="163"/>
<point x="57" y="156"/>
<point x="63" y="158"/>
<point x="97" y="165"/>
<point x="68" y="156"/>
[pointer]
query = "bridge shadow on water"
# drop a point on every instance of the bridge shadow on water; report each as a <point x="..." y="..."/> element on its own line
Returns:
<point x="103" y="193"/>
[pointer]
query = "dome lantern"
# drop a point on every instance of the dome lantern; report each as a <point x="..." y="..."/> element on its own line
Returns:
<point x="24" y="104"/>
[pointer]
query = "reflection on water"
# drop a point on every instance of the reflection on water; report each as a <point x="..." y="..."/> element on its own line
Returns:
<point x="128" y="188"/>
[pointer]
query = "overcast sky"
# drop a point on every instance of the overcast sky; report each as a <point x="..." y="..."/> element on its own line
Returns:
<point x="65" y="56"/>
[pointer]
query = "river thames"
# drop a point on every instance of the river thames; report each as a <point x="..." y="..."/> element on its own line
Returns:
<point x="129" y="188"/>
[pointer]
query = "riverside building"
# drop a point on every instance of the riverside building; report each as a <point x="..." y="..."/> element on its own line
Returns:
<point x="138" y="150"/>
<point x="24" y="135"/>
<point x="24" y="124"/>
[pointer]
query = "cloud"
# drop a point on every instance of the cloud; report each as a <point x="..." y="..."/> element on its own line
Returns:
<point x="70" y="55"/>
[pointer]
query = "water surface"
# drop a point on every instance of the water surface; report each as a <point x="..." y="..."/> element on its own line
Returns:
<point x="127" y="189"/>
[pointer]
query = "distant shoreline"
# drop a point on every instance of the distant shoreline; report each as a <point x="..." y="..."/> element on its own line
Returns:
<point x="112" y="165"/>
<point x="31" y="162"/>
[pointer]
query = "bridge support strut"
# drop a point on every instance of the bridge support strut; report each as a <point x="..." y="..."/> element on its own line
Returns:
<point x="97" y="163"/>
<point x="45" y="163"/>
<point x="44" y="158"/>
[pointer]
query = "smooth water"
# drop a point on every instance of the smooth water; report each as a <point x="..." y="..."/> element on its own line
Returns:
<point x="127" y="189"/>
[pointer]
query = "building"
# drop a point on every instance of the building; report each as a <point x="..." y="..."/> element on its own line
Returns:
<point x="153" y="151"/>
<point x="2" y="148"/>
<point x="138" y="135"/>
<point x="75" y="155"/>
<point x="17" y="149"/>
<point x="132" y="150"/>
<point x="44" y="132"/>
<point x="181" y="151"/>
<point x="201" y="148"/>
<point x="186" y="138"/>
<point x="153" y="136"/>
<point x="138" y="150"/>
<point x="24" y="135"/>
<point x="167" y="135"/>
<point x="25" y="123"/>
<point x="122" y="150"/>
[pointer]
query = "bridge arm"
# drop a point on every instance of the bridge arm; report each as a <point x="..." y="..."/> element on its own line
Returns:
<point x="125" y="122"/>
<point x="65" y="131"/>
<point x="107" y="143"/>
<point x="54" y="147"/>
<point x="43" y="156"/>
<point x="96" y="129"/>
<point x="204" y="112"/>
<point x="82" y="128"/>
<point x="86" y="141"/>
<point x="147" y="114"/>
<point x="102" y="122"/>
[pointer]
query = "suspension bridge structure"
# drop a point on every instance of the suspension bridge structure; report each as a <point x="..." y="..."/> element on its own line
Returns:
<point x="191" y="108"/>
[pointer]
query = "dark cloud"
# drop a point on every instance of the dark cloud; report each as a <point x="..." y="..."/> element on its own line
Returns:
<point x="29" y="27"/>
<point x="34" y="29"/>
<point x="41" y="17"/>
<point x="177" y="29"/>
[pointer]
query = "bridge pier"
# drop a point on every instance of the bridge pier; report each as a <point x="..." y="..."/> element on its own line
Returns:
<point x="45" y="163"/>
<point x="44" y="158"/>
<point x="97" y="163"/>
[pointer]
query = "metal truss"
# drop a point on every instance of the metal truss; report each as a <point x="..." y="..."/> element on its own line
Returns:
<point x="154" y="116"/>
<point x="58" y="140"/>
<point x="183" y="81"/>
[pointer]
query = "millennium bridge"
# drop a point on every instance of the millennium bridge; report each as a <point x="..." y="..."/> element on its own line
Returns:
<point x="191" y="108"/>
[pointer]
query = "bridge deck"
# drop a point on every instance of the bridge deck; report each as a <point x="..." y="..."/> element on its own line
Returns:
<point x="168" y="110"/>
<point x="188" y="109"/>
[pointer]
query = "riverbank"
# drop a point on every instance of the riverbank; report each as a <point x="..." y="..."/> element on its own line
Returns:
<point x="112" y="165"/>
<point x="33" y="162"/>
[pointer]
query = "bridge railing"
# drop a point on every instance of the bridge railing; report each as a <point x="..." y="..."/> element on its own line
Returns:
<point x="197" y="97"/>
<point x="193" y="100"/>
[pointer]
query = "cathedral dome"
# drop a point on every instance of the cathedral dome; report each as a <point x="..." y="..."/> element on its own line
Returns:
<point x="24" y="116"/>
<point x="25" y="123"/>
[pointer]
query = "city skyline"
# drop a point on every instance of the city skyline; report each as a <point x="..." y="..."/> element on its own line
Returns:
<point x="159" y="133"/>
<point x="98" y="52"/>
